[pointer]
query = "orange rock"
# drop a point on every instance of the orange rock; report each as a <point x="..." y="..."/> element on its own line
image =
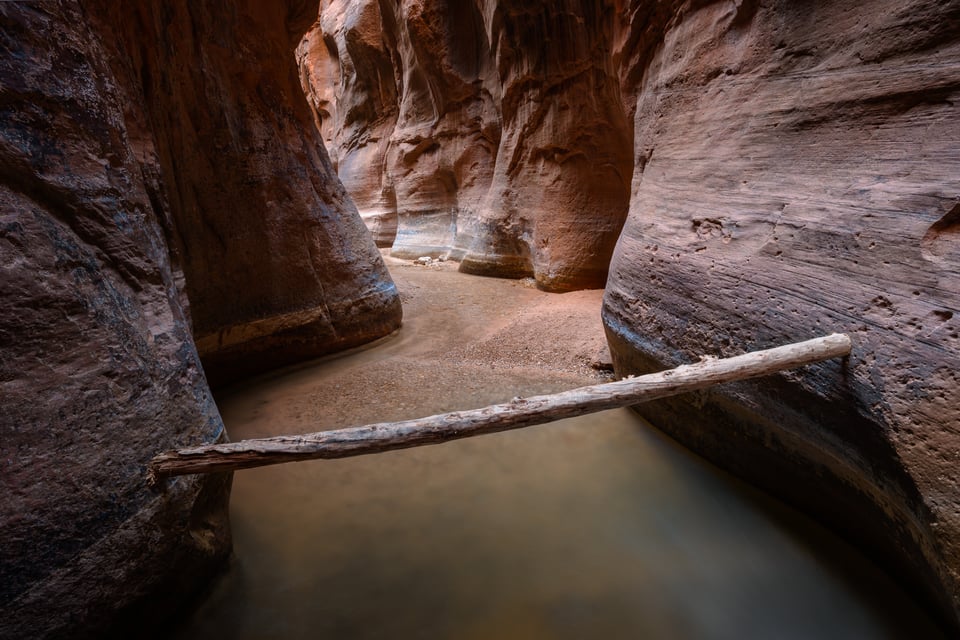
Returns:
<point x="495" y="151"/>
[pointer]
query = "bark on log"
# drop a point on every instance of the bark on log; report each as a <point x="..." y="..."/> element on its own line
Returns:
<point x="520" y="412"/>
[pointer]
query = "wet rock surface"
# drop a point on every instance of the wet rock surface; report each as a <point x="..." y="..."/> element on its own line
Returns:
<point x="794" y="171"/>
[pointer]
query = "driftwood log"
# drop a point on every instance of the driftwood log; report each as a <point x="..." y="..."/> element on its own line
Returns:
<point x="520" y="412"/>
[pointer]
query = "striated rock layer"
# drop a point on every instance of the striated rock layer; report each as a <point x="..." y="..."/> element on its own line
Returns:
<point x="499" y="138"/>
<point x="411" y="121"/>
<point x="160" y="175"/>
<point x="356" y="103"/>
<point x="561" y="179"/>
<point x="797" y="172"/>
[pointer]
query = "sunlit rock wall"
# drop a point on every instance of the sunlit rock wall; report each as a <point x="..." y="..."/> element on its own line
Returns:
<point x="797" y="172"/>
<point x="561" y="178"/>
<point x="410" y="116"/>
<point x="347" y="70"/>
<point x="501" y="147"/>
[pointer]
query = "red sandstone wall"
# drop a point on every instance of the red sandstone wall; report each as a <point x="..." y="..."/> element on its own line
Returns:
<point x="797" y="172"/>
<point x="491" y="147"/>
<point x="794" y="172"/>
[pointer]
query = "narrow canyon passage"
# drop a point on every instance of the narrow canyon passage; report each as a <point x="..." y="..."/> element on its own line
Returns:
<point x="194" y="192"/>
<point x="593" y="527"/>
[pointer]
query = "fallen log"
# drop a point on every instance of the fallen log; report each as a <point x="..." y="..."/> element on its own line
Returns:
<point x="520" y="412"/>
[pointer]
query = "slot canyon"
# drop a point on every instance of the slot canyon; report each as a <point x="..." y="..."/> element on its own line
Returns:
<point x="230" y="218"/>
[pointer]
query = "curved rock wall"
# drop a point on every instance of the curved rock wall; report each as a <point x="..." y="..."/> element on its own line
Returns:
<point x="797" y="172"/>
<point x="411" y="118"/>
<point x="794" y="172"/>
<point x="254" y="198"/>
<point x="355" y="103"/>
<point x="491" y="147"/>
<point x="98" y="370"/>
<point x="562" y="173"/>
<point x="441" y="152"/>
<point x="161" y="176"/>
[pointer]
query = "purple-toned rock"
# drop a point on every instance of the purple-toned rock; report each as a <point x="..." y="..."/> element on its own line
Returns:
<point x="98" y="370"/>
<point x="797" y="172"/>
<point x="163" y="189"/>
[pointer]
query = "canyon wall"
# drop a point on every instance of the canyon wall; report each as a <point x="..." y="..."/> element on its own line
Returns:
<point x="794" y="172"/>
<point x="355" y="103"/>
<point x="499" y="139"/>
<point x="99" y="371"/>
<point x="162" y="189"/>
<point x="164" y="192"/>
<point x="797" y="172"/>
<point x="254" y="199"/>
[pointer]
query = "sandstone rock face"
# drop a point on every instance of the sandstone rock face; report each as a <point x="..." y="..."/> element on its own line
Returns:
<point x="441" y="152"/>
<point x="412" y="122"/>
<point x="561" y="178"/>
<point x="493" y="148"/>
<point x="98" y="369"/>
<point x="355" y="103"/>
<point x="797" y="172"/>
<point x="161" y="175"/>
<point x="278" y="265"/>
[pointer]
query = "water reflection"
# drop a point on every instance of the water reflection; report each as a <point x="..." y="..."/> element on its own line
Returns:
<point x="595" y="527"/>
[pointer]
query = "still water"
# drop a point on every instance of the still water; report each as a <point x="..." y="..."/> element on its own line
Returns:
<point x="594" y="527"/>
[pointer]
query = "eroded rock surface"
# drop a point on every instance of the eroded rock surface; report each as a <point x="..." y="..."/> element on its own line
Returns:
<point x="797" y="172"/>
<point x="560" y="184"/>
<point x="98" y="370"/>
<point x="278" y="265"/>
<point x="355" y="103"/>
<point x="161" y="177"/>
<point x="493" y="146"/>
